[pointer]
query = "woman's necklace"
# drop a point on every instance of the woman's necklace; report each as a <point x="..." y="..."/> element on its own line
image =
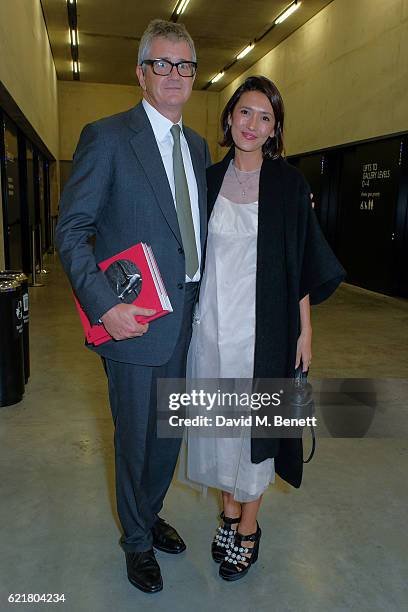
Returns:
<point x="244" y="184"/>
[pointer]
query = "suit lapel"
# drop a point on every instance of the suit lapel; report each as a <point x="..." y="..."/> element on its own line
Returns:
<point x="147" y="152"/>
<point x="199" y="171"/>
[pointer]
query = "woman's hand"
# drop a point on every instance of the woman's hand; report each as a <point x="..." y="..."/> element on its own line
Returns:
<point x="304" y="349"/>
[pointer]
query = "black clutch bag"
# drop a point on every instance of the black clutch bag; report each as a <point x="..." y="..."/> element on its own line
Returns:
<point x="302" y="404"/>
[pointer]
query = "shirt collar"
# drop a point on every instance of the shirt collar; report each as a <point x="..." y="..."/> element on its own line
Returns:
<point x="160" y="124"/>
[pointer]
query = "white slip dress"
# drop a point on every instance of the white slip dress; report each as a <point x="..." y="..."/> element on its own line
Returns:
<point x="223" y="339"/>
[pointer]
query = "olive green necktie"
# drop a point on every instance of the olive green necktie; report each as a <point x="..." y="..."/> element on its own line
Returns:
<point x="183" y="206"/>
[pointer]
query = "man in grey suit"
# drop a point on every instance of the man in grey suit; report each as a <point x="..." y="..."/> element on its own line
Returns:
<point x="140" y="177"/>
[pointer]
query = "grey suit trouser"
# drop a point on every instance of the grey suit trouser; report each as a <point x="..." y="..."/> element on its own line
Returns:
<point x="144" y="463"/>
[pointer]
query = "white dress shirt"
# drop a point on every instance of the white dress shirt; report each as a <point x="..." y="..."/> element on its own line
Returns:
<point x="161" y="127"/>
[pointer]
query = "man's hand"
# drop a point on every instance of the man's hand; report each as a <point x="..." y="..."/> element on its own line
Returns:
<point x="120" y="321"/>
<point x="312" y="200"/>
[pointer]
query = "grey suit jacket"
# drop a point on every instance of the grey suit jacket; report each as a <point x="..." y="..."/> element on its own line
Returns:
<point x="119" y="193"/>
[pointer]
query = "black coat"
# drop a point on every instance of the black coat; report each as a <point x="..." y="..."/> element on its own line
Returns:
<point x="293" y="260"/>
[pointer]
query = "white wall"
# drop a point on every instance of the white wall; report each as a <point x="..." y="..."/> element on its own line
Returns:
<point x="343" y="75"/>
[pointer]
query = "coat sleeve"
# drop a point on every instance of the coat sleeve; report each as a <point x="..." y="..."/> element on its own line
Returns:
<point x="81" y="205"/>
<point x="320" y="271"/>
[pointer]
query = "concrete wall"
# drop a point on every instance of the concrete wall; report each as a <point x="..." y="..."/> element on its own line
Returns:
<point x="27" y="68"/>
<point x="80" y="103"/>
<point x="343" y="75"/>
<point x="28" y="74"/>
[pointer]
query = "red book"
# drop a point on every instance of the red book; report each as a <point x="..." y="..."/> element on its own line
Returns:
<point x="134" y="276"/>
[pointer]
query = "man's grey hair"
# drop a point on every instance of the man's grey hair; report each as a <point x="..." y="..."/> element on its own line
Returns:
<point x="158" y="28"/>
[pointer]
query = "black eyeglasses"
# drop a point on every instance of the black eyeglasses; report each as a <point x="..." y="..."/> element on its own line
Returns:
<point x="163" y="67"/>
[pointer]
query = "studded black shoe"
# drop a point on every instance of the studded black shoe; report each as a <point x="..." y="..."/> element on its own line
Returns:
<point x="223" y="536"/>
<point x="238" y="558"/>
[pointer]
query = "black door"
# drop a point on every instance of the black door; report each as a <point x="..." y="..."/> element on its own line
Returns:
<point x="321" y="170"/>
<point x="401" y="224"/>
<point x="31" y="188"/>
<point x="38" y="182"/>
<point x="42" y="205"/>
<point x="311" y="166"/>
<point x="11" y="196"/>
<point x="47" y="209"/>
<point x="370" y="178"/>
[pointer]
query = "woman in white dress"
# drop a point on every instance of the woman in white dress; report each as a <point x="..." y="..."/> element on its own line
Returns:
<point x="224" y="335"/>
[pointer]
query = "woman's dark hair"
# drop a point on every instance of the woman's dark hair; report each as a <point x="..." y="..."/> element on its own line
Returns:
<point x="273" y="147"/>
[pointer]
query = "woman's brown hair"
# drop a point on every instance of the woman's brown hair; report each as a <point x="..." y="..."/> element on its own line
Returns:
<point x="273" y="147"/>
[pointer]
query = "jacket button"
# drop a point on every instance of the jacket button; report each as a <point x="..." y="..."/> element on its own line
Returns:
<point x="180" y="285"/>
<point x="180" y="250"/>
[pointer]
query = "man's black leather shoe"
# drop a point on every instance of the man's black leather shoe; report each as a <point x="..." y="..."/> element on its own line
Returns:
<point x="166" y="538"/>
<point x="143" y="571"/>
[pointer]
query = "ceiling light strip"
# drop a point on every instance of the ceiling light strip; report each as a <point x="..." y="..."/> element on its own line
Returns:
<point x="286" y="13"/>
<point x="217" y="77"/>
<point x="182" y="7"/>
<point x="245" y="52"/>
<point x="179" y="9"/>
<point x="73" y="34"/>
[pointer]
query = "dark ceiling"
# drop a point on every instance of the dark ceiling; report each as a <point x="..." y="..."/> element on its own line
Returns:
<point x="109" y="34"/>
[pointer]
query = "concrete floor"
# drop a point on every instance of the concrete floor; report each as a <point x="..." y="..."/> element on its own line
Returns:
<point x="338" y="543"/>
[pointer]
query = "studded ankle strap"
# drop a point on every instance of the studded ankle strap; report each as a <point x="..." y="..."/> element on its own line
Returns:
<point x="228" y="520"/>
<point x="253" y="537"/>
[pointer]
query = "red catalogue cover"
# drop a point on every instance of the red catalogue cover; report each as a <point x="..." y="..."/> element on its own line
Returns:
<point x="134" y="276"/>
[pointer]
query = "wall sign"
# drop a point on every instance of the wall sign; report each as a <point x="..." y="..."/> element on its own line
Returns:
<point x="371" y="184"/>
